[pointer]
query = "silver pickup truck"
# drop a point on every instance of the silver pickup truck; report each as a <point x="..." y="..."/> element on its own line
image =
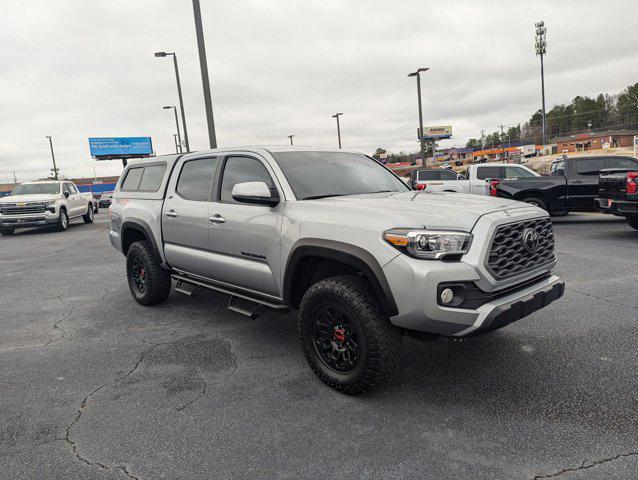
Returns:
<point x="337" y="236"/>
<point x="45" y="203"/>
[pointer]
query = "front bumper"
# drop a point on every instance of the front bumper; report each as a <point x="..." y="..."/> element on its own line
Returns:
<point x="490" y="304"/>
<point x="415" y="292"/>
<point x="28" y="221"/>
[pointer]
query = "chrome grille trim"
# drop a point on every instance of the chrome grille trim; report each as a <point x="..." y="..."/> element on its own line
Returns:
<point x="25" y="210"/>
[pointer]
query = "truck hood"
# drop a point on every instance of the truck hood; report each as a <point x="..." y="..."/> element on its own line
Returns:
<point x="431" y="210"/>
<point x="41" y="197"/>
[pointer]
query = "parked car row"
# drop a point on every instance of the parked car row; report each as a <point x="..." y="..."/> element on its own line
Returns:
<point x="476" y="182"/>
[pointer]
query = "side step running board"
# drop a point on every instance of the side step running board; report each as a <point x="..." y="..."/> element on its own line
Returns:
<point x="241" y="303"/>
<point x="186" y="288"/>
<point x="249" y="308"/>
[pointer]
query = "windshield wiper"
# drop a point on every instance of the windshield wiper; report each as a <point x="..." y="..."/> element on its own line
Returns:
<point x="316" y="197"/>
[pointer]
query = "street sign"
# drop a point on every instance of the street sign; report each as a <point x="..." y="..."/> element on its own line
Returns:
<point x="436" y="133"/>
<point x="107" y="148"/>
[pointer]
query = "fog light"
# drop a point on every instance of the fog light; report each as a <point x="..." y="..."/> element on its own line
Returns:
<point x="447" y="295"/>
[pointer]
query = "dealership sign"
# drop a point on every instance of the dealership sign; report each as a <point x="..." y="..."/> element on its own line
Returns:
<point x="104" y="148"/>
<point x="435" y="133"/>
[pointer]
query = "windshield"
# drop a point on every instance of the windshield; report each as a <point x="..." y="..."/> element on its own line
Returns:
<point x="328" y="174"/>
<point x="36" y="188"/>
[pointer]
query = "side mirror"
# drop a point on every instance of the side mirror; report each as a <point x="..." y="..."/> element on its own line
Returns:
<point x="460" y="177"/>
<point x="66" y="194"/>
<point x="256" y="193"/>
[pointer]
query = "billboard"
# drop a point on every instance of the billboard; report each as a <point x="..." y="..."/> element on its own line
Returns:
<point x="104" y="148"/>
<point x="435" y="133"/>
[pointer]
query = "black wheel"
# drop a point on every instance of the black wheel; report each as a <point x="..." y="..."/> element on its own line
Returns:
<point x="149" y="283"/>
<point x="88" y="216"/>
<point x="633" y="222"/>
<point x="348" y="342"/>
<point x="6" y="231"/>
<point x="536" y="201"/>
<point x="63" y="221"/>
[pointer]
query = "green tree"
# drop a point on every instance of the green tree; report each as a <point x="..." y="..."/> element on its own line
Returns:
<point x="627" y="106"/>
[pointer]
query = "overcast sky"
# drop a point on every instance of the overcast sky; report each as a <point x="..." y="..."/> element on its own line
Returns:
<point x="75" y="69"/>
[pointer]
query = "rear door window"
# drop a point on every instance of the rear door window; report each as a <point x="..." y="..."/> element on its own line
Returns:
<point x="448" y="175"/>
<point x="132" y="180"/>
<point x="620" y="163"/>
<point x="589" y="166"/>
<point x="429" y="175"/>
<point x="516" y="172"/>
<point x="488" y="172"/>
<point x="196" y="179"/>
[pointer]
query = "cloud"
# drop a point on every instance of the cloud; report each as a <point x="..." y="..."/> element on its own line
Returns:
<point x="74" y="69"/>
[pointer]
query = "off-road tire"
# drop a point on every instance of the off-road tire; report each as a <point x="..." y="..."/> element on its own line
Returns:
<point x="633" y="222"/>
<point x="63" y="221"/>
<point x="536" y="201"/>
<point x="158" y="280"/>
<point x="380" y="341"/>
<point x="6" y="231"/>
<point x="88" y="216"/>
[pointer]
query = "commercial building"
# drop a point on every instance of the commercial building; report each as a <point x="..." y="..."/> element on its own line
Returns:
<point x="596" y="140"/>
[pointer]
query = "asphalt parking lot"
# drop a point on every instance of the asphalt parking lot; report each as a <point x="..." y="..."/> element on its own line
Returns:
<point x="96" y="386"/>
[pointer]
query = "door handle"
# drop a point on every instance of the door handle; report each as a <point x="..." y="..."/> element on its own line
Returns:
<point x="577" y="181"/>
<point x="217" y="218"/>
<point x="171" y="213"/>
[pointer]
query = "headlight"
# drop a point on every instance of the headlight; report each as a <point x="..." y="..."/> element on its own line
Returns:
<point x="49" y="203"/>
<point x="428" y="244"/>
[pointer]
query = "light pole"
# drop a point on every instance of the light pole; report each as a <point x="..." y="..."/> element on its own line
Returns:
<point x="541" y="49"/>
<point x="417" y="74"/>
<point x="290" y="137"/>
<point x="168" y="107"/>
<point x="336" y="115"/>
<point x="203" y="66"/>
<point x="179" y="93"/>
<point x="177" y="147"/>
<point x="54" y="169"/>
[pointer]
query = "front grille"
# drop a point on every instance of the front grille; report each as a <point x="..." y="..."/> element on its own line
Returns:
<point x="17" y="210"/>
<point x="508" y="254"/>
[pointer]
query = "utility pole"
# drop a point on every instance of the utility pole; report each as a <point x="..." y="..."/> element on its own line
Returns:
<point x="502" y="142"/>
<point x="54" y="169"/>
<point x="541" y="49"/>
<point x="336" y="115"/>
<point x="203" y="65"/>
<point x="176" y="144"/>
<point x="290" y="137"/>
<point x="15" y="180"/>
<point x="417" y="74"/>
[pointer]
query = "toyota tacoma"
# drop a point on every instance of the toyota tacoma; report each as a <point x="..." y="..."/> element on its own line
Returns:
<point x="338" y="237"/>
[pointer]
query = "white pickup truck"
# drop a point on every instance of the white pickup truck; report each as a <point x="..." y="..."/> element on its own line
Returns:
<point x="45" y="203"/>
<point x="440" y="180"/>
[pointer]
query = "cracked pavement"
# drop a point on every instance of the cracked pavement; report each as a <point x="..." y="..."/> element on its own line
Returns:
<point x="96" y="386"/>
